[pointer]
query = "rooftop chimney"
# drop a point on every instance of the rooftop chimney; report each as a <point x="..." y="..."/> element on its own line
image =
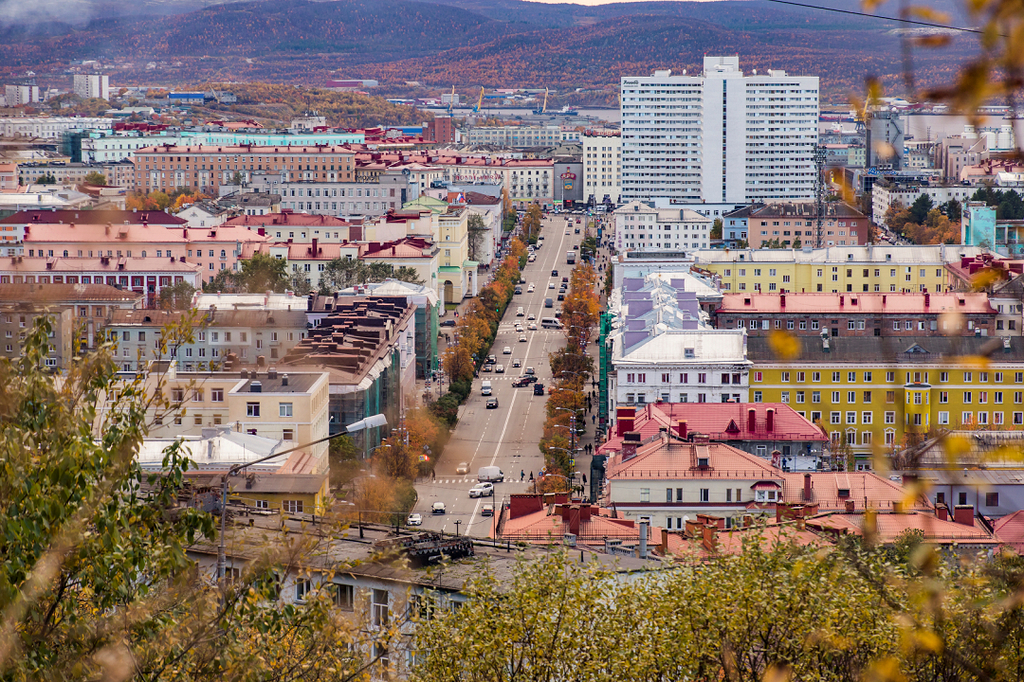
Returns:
<point x="927" y="298"/>
<point x="842" y="299"/>
<point x="771" y="419"/>
<point x="630" y="442"/>
<point x="284" y="379"/>
<point x="709" y="537"/>
<point x="751" y="420"/>
<point x="964" y="514"/>
<point x="256" y="387"/>
<point x="681" y="430"/>
<point x="941" y="512"/>
<point x="782" y="300"/>
<point x="624" y="420"/>
<point x="807" y="487"/>
<point x="850" y="506"/>
<point x="643" y="538"/>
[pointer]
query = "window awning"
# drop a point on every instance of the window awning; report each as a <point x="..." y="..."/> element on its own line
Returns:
<point x="765" y="485"/>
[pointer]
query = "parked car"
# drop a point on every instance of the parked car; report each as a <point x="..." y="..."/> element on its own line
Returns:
<point x="492" y="403"/>
<point x="437" y="508"/>
<point x="414" y="520"/>
<point x="463" y="468"/>
<point x="538" y="389"/>
<point x="482" y="490"/>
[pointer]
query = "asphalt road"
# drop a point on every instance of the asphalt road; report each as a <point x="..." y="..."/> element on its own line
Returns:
<point x="506" y="437"/>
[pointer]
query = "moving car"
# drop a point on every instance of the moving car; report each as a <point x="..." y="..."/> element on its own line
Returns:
<point x="548" y="303"/>
<point x="499" y="369"/>
<point x="485" y="387"/>
<point x="488" y="367"/>
<point x="538" y="389"/>
<point x="561" y="297"/>
<point x="565" y="279"/>
<point x="437" y="508"/>
<point x="487" y="510"/>
<point x="531" y="316"/>
<point x="519" y="290"/>
<point x="530" y="371"/>
<point x="554" y="273"/>
<point x="520" y="382"/>
<point x="492" y="403"/>
<point x="492" y="474"/>
<point x="482" y="490"/>
<point x="517" y="363"/>
<point x="522" y="337"/>
<point x="447" y="323"/>
<point x="414" y="520"/>
<point x="507" y="350"/>
<point x="519" y="311"/>
<point x="551" y="285"/>
<point x="492" y="359"/>
<point x="463" y="468"/>
<point x="530" y="289"/>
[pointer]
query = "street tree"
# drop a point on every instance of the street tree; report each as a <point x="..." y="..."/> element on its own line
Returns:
<point x="96" y="179"/>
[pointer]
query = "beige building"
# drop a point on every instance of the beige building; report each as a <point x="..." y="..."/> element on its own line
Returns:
<point x="602" y="163"/>
<point x="17" y="320"/>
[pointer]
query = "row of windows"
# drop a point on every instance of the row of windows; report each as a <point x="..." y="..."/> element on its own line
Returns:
<point x="918" y="377"/>
<point x="684" y="378"/>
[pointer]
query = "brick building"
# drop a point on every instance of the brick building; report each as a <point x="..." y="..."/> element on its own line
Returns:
<point x="842" y="225"/>
<point x="206" y="167"/>
<point x="864" y="314"/>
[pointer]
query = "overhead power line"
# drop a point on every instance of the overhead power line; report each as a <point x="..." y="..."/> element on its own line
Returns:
<point x="855" y="13"/>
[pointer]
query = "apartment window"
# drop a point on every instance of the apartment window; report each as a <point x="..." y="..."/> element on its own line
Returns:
<point x="800" y="377"/>
<point x="997" y="397"/>
<point x="835" y="397"/>
<point x="645" y="494"/>
<point x="303" y="586"/>
<point x="867" y="377"/>
<point x="252" y="409"/>
<point x="968" y="377"/>
<point x="800" y="396"/>
<point x="943" y="376"/>
<point x="836" y="417"/>
<point x="197" y="395"/>
<point x="890" y="377"/>
<point x="757" y="396"/>
<point x="943" y="418"/>
<point x="943" y="396"/>
<point x="815" y="396"/>
<point x="285" y="410"/>
<point x="705" y="494"/>
<point x="293" y="506"/>
<point x="758" y="376"/>
<point x="379" y="615"/>
<point x="867" y="396"/>
<point x="851" y="417"/>
<point x="785" y="377"/>
<point x="890" y="417"/>
<point x="836" y="377"/>
<point x="177" y="395"/>
<point x="785" y="396"/>
<point x="851" y="396"/>
<point x="815" y="376"/>
<point x="967" y="397"/>
<point x="865" y="417"/>
<point x="344" y="596"/>
<point x="991" y="499"/>
<point x="217" y="395"/>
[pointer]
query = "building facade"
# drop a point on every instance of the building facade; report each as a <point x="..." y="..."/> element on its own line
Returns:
<point x="796" y="224"/>
<point x="638" y="227"/>
<point x="720" y="136"/>
<point x="602" y="166"/>
<point x="921" y="314"/>
<point x="883" y="393"/>
<point x="91" y="86"/>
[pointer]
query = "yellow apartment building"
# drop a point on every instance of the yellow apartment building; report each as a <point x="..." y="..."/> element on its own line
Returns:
<point x="835" y="269"/>
<point x="875" y="393"/>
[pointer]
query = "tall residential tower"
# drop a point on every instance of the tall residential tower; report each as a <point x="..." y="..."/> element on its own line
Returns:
<point x="719" y="137"/>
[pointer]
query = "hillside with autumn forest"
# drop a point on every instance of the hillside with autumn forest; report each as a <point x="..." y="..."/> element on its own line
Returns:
<point x="506" y="43"/>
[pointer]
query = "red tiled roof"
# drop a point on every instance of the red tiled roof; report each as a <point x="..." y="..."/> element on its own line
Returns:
<point x="410" y="247"/>
<point x="287" y="218"/>
<point x="39" y="217"/>
<point x="889" y="526"/>
<point x="550" y="523"/>
<point x="1010" y="531"/>
<point x="852" y="303"/>
<point x="720" y="422"/>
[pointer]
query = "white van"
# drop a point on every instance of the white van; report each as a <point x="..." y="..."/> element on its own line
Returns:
<point x="485" y="387"/>
<point x="491" y="474"/>
<point x="550" y="323"/>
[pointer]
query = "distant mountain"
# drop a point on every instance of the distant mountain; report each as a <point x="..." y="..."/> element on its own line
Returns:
<point x="469" y="43"/>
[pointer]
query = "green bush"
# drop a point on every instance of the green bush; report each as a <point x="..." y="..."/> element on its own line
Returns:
<point x="446" y="408"/>
<point x="461" y="389"/>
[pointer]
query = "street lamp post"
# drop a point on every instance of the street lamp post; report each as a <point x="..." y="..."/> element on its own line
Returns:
<point x="369" y="422"/>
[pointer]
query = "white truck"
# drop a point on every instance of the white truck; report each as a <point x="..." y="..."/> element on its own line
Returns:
<point x="570" y="257"/>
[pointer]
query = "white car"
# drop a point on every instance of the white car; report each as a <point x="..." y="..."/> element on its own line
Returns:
<point x="414" y="520"/>
<point x="507" y="350"/>
<point x="522" y="337"/>
<point x="532" y="327"/>
<point x="463" y="468"/>
<point x="551" y="285"/>
<point x="531" y="316"/>
<point x="437" y="508"/>
<point x="482" y="490"/>
<point x="530" y="289"/>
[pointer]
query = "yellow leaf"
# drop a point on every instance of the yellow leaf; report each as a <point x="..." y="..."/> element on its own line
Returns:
<point x="784" y="345"/>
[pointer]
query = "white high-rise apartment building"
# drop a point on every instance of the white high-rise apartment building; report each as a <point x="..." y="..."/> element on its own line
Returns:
<point x="90" y="86"/>
<point x="18" y="95"/>
<point x="602" y="164"/>
<point x="719" y="137"/>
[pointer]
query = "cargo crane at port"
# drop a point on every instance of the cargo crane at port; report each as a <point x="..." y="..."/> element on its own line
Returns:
<point x="543" y="108"/>
<point x="479" y="101"/>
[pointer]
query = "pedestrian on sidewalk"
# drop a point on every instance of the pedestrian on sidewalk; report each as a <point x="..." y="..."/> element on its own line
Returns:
<point x="522" y="475"/>
<point x="433" y="475"/>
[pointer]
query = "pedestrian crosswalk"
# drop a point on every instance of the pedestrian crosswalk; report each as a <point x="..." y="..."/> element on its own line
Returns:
<point x="472" y="481"/>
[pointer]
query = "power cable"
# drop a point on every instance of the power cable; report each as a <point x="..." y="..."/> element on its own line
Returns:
<point x="855" y="13"/>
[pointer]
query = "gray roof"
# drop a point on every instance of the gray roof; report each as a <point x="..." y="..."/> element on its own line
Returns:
<point x="298" y="382"/>
<point x="893" y="349"/>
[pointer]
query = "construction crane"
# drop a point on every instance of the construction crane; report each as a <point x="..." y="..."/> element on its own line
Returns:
<point x="544" y="108"/>
<point x="451" y="101"/>
<point x="480" y="101"/>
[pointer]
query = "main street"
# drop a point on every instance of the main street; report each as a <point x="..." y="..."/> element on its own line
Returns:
<point x="505" y="437"/>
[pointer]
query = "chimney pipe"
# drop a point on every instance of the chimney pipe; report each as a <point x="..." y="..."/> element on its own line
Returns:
<point x="964" y="514"/>
<point x="941" y="512"/>
<point x="751" y="420"/>
<point x="682" y="428"/>
<point x="643" y="539"/>
<point x="771" y="419"/>
<point x="927" y="299"/>
<point x="807" y="487"/>
<point x="782" y="300"/>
